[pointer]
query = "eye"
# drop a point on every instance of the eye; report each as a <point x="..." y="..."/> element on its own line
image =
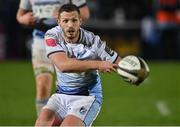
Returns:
<point x="65" y="20"/>
<point x="74" y="20"/>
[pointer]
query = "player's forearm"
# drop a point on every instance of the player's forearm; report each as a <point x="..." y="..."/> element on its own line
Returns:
<point x="74" y="65"/>
<point x="25" y="17"/>
<point x="66" y="64"/>
<point x="19" y="15"/>
<point x="117" y="60"/>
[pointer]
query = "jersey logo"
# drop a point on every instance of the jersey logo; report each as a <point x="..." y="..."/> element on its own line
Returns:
<point x="109" y="51"/>
<point x="82" y="110"/>
<point x="51" y="42"/>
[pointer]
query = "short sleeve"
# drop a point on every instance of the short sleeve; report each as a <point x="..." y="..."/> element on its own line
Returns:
<point x="103" y="51"/>
<point x="79" y="3"/>
<point x="25" y="4"/>
<point x="52" y="43"/>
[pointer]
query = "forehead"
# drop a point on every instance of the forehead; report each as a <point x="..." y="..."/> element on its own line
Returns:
<point x="72" y="14"/>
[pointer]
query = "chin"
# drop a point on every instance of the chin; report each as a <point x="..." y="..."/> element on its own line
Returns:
<point x="70" y="38"/>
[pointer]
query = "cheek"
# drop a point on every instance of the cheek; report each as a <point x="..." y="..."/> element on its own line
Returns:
<point x="77" y="25"/>
<point x="62" y="25"/>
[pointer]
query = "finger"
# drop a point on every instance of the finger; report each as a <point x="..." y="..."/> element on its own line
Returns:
<point x="108" y="70"/>
<point x="115" y="65"/>
<point x="114" y="69"/>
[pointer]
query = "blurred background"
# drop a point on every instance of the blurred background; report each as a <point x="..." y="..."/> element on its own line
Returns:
<point x="149" y="28"/>
<point x="146" y="28"/>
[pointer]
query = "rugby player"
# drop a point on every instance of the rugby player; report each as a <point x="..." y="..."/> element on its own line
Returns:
<point x="78" y="55"/>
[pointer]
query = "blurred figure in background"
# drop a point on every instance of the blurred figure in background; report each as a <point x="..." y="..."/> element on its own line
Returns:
<point x="167" y="13"/>
<point x="160" y="30"/>
<point x="42" y="15"/>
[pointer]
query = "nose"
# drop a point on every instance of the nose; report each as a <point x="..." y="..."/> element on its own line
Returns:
<point x="70" y="24"/>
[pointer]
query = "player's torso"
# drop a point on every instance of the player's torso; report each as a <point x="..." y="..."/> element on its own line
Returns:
<point x="83" y="83"/>
<point x="80" y="51"/>
<point x="83" y="50"/>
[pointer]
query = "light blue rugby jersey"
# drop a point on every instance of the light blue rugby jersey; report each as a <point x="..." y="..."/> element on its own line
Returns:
<point x="90" y="47"/>
<point x="43" y="11"/>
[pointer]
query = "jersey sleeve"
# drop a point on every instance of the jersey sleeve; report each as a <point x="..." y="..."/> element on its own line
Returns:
<point x="52" y="43"/>
<point x="103" y="51"/>
<point x="79" y="3"/>
<point x="25" y="4"/>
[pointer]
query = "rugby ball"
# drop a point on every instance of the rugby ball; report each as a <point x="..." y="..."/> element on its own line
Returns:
<point x="133" y="69"/>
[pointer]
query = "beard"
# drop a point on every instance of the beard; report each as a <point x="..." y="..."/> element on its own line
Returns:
<point x="70" y="34"/>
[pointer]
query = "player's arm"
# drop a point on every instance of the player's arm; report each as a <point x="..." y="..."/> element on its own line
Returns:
<point x="104" y="52"/>
<point x="117" y="60"/>
<point x="25" y="17"/>
<point x="66" y="64"/>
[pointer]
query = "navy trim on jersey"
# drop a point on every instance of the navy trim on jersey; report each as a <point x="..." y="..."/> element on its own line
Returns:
<point x="54" y="52"/>
<point x="38" y="33"/>
<point x="116" y="59"/>
<point x="80" y="91"/>
<point x="79" y="38"/>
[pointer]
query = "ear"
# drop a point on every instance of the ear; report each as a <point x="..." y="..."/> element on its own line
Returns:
<point x="58" y="22"/>
<point x="80" y="19"/>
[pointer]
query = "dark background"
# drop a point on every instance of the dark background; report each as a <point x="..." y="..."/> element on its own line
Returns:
<point x="129" y="27"/>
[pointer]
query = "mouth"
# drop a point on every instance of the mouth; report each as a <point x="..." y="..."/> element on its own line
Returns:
<point x="71" y="31"/>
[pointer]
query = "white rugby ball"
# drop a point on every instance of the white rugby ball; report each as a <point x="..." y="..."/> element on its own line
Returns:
<point x="133" y="69"/>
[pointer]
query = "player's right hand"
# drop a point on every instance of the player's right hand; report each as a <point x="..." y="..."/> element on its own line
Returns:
<point x="28" y="19"/>
<point x="105" y="66"/>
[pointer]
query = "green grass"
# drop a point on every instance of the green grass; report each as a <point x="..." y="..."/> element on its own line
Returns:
<point x="123" y="104"/>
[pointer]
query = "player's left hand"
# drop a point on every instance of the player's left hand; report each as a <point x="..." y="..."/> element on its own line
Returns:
<point x="108" y="67"/>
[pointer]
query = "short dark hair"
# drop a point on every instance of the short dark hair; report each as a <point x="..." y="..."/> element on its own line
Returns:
<point x="69" y="8"/>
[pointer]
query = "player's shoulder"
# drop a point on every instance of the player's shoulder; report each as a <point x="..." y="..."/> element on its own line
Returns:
<point x="87" y="33"/>
<point x="90" y="36"/>
<point x="53" y="31"/>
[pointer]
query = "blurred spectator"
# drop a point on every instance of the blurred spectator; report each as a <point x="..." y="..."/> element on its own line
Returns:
<point x="160" y="30"/>
<point x="94" y="7"/>
<point x="14" y="40"/>
<point x="167" y="12"/>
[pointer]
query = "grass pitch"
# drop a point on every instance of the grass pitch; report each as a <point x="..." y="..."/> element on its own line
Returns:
<point x="154" y="102"/>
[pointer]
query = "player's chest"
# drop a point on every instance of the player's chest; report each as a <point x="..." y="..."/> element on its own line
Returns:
<point x="80" y="51"/>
